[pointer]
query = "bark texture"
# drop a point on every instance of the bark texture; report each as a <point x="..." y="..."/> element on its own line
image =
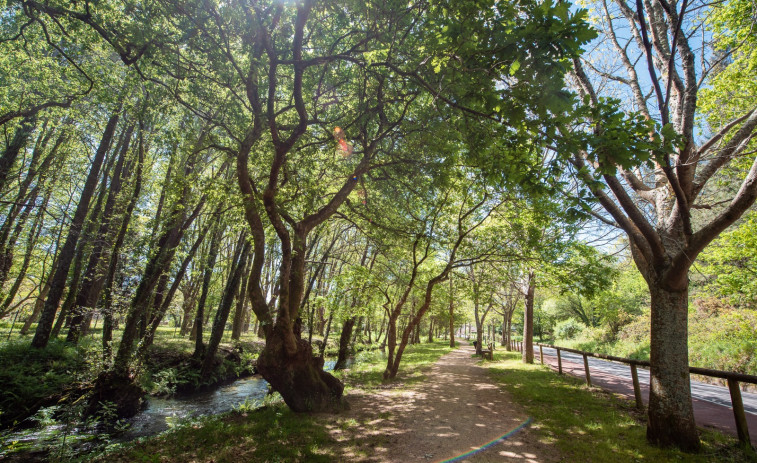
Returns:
<point x="671" y="414"/>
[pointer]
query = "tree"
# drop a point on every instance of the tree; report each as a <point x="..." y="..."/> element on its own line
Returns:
<point x="508" y="297"/>
<point x="481" y="278"/>
<point x="652" y="173"/>
<point x="58" y="281"/>
<point x="276" y="83"/>
<point x="33" y="50"/>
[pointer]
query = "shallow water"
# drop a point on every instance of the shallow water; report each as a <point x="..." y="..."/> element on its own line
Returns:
<point x="159" y="415"/>
<point x="162" y="414"/>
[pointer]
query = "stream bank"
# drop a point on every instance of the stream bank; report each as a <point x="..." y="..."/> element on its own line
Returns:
<point x="170" y="384"/>
<point x="64" y="439"/>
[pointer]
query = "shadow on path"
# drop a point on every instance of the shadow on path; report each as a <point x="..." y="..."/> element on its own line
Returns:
<point x="456" y="410"/>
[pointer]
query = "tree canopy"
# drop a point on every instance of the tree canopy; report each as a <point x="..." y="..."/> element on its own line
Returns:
<point x="287" y="167"/>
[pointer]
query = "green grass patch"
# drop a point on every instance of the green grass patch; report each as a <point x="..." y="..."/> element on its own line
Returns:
<point x="590" y="425"/>
<point x="368" y="369"/>
<point x="32" y="378"/>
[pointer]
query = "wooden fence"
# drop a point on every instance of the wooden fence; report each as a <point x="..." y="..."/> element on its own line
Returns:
<point x="733" y="380"/>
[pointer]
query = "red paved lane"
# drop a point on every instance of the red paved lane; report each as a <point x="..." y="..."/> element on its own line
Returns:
<point x="706" y="414"/>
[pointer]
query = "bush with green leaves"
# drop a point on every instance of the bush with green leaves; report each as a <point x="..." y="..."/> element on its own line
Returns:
<point x="568" y="329"/>
<point x="34" y="378"/>
<point x="724" y="340"/>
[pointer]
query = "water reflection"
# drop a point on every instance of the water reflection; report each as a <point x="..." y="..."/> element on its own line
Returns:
<point x="159" y="415"/>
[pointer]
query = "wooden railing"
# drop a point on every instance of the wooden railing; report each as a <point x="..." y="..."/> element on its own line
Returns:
<point x="733" y="380"/>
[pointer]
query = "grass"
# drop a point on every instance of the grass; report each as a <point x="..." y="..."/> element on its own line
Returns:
<point x="368" y="369"/>
<point x="590" y="425"/>
<point x="31" y="376"/>
<point x="269" y="434"/>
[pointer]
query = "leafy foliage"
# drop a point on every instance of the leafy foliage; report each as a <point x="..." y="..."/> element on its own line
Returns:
<point x="730" y="264"/>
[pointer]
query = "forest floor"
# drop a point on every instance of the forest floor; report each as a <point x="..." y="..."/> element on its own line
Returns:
<point x="445" y="406"/>
<point x="458" y="410"/>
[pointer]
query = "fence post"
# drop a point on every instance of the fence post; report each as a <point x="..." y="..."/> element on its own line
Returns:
<point x="586" y="369"/>
<point x="559" y="361"/>
<point x="742" y="429"/>
<point x="636" y="387"/>
<point x="541" y="354"/>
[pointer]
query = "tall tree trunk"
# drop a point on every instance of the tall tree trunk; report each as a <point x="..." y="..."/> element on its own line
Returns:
<point x="222" y="314"/>
<point x="40" y="302"/>
<point x="57" y="285"/>
<point x="108" y="318"/>
<point x="671" y="414"/>
<point x="31" y="242"/>
<point x="240" y="311"/>
<point x="215" y="245"/>
<point x="479" y="326"/>
<point x="25" y="200"/>
<point x="381" y="329"/>
<point x="451" y="317"/>
<point x="8" y="158"/>
<point x="94" y="275"/>
<point x="161" y="304"/>
<point x="64" y="315"/>
<point x="186" y="310"/>
<point x="528" y="320"/>
<point x="344" y="343"/>
<point x="69" y="303"/>
<point x="326" y="334"/>
<point x="357" y="334"/>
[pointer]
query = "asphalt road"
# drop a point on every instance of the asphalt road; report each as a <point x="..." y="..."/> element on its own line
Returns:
<point x="718" y="395"/>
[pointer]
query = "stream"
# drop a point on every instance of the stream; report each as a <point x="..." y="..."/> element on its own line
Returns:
<point x="159" y="415"/>
<point x="164" y="413"/>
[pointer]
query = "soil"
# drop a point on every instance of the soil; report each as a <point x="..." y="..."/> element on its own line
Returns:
<point x="459" y="409"/>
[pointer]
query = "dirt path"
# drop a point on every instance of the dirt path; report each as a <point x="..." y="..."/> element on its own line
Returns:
<point x="457" y="410"/>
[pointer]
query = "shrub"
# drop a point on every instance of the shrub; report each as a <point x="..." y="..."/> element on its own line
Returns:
<point x="724" y="340"/>
<point x="33" y="378"/>
<point x="568" y="329"/>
